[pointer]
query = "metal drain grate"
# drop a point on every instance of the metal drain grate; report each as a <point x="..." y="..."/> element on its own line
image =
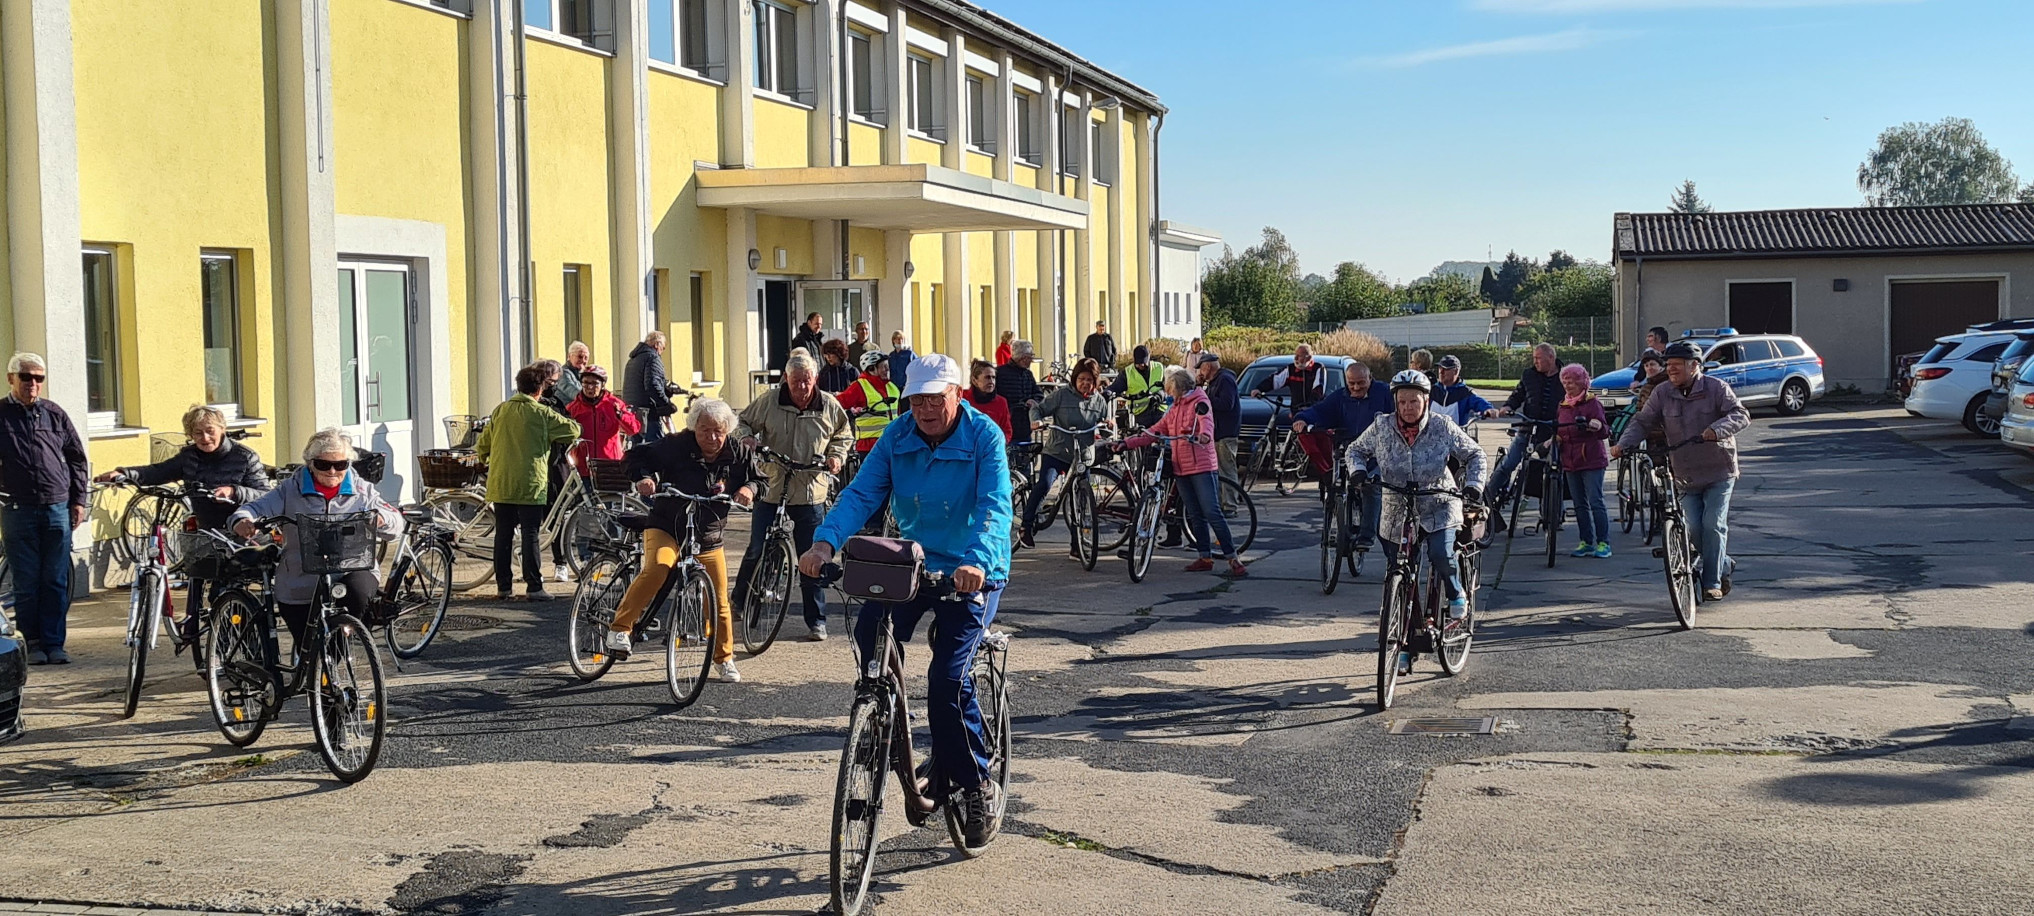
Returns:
<point x="469" y="622"/>
<point x="1486" y="725"/>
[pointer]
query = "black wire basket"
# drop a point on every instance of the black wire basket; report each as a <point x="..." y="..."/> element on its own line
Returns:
<point x="335" y="544"/>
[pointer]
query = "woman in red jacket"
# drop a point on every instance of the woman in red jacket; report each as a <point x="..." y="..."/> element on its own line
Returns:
<point x="603" y="418"/>
<point x="1003" y="353"/>
<point x="982" y="396"/>
<point x="1583" y="460"/>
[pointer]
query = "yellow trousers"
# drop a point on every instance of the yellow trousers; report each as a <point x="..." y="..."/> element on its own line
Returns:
<point x="660" y="556"/>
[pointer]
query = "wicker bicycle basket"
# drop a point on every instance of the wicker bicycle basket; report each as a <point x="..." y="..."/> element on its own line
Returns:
<point x="447" y="469"/>
<point x="462" y="430"/>
<point x="164" y="446"/>
<point x="608" y="475"/>
<point x="333" y="544"/>
<point x="205" y="555"/>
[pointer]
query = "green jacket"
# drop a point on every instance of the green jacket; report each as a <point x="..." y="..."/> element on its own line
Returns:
<point x="516" y="444"/>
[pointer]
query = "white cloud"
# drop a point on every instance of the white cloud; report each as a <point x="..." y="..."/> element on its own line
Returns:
<point x="1568" y="40"/>
<point x="1637" y="6"/>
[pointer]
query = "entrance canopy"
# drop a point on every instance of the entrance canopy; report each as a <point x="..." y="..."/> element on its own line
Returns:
<point x="913" y="198"/>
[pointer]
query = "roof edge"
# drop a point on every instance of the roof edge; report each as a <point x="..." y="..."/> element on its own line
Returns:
<point x="1016" y="37"/>
<point x="1623" y="256"/>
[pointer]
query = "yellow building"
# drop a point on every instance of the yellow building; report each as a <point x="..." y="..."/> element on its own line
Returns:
<point x="367" y="213"/>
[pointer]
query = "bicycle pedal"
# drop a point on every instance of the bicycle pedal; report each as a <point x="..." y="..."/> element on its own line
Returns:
<point x="1659" y="553"/>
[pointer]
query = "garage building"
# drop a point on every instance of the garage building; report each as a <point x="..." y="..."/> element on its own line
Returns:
<point x="1861" y="285"/>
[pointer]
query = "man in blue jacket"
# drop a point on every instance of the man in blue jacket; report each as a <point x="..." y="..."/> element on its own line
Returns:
<point x="1340" y="418"/>
<point x="946" y="476"/>
<point x="1454" y="399"/>
<point x="1227" y="402"/>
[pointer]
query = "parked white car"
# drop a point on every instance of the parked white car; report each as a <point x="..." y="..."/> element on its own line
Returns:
<point x="2016" y="428"/>
<point x="1953" y="380"/>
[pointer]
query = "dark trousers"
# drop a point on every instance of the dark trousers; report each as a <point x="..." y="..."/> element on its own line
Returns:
<point x="959" y="738"/>
<point x="39" y="552"/>
<point x="804" y="521"/>
<point x="361" y="589"/>
<point x="1049" y="469"/>
<point x="653" y="427"/>
<point x="507" y="518"/>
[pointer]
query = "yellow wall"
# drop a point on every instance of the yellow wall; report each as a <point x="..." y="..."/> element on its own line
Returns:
<point x="684" y="128"/>
<point x="569" y="215"/>
<point x="792" y="235"/>
<point x="865" y="145"/>
<point x="868" y="243"/>
<point x="919" y="149"/>
<point x="6" y="280"/>
<point x="781" y="135"/>
<point x="979" y="164"/>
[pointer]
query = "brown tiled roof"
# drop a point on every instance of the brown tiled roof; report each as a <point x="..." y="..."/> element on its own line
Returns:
<point x="1833" y="231"/>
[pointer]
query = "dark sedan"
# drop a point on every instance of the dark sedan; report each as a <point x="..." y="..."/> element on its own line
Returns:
<point x="1256" y="411"/>
<point x="13" y="677"/>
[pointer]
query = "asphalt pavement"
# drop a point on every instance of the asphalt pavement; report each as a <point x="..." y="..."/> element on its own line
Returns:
<point x="1851" y="731"/>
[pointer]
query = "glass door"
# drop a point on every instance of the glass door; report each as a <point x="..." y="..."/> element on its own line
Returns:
<point x="377" y="387"/>
<point x="841" y="303"/>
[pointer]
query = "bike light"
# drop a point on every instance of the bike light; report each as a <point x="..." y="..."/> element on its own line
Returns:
<point x="338" y="591"/>
<point x="1930" y="372"/>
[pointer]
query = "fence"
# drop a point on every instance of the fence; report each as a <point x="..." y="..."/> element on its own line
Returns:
<point x="1588" y="341"/>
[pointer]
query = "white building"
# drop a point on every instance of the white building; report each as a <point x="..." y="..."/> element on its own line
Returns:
<point x="1179" y="278"/>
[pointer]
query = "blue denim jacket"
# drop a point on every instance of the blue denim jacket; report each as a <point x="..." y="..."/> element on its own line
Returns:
<point x="953" y="500"/>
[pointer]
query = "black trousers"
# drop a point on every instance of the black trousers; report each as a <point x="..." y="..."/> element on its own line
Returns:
<point x="361" y="589"/>
<point x="507" y="518"/>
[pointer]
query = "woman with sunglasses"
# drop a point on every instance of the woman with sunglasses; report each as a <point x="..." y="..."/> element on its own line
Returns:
<point x="326" y="485"/>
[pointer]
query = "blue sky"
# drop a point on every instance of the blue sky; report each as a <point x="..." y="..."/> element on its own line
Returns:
<point x="1401" y="133"/>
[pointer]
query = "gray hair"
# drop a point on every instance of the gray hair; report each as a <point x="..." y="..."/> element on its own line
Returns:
<point x="15" y="364"/>
<point x="1021" y="348"/>
<point x="800" y="364"/>
<point x="1543" y="345"/>
<point x="711" y="410"/>
<point x="1178" y="380"/>
<point x="654" y="338"/>
<point x="327" y="441"/>
<point x="578" y="345"/>
<point x="1354" y="365"/>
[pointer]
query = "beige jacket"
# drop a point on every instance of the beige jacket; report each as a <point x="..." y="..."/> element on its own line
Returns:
<point x="818" y="432"/>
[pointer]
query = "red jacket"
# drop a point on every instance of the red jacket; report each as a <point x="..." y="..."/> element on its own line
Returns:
<point x="993" y="406"/>
<point x="602" y="424"/>
<point x="1003" y="355"/>
<point x="1188" y="456"/>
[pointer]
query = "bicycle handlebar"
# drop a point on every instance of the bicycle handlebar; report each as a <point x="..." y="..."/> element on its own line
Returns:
<point x="831" y="572"/>
<point x="1097" y="428"/>
<point x="674" y="492"/>
<point x="793" y="465"/>
<point x="1411" y="490"/>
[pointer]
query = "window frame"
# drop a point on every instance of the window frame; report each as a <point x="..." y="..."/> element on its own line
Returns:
<point x="696" y="47"/>
<point x="769" y="54"/>
<point x="1073" y="156"/>
<point x="980" y="110"/>
<point x="1024" y="106"/>
<point x="596" y="31"/>
<point x="1100" y="152"/>
<point x="869" y="44"/>
<point x="925" y="97"/>
<point x="103" y="419"/>
<point x="572" y="303"/>
<point x="232" y="407"/>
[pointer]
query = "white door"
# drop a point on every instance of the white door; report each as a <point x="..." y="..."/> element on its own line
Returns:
<point x="841" y="303"/>
<point x="377" y="386"/>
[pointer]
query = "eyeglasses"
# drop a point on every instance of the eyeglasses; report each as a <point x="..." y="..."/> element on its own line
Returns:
<point x="324" y="465"/>
<point x="31" y="377"/>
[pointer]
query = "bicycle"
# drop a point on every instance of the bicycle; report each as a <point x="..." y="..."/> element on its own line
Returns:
<point x="688" y="626"/>
<point x="1410" y="582"/>
<point x="1343" y="513"/>
<point x="879" y="735"/>
<point x="419" y="586"/>
<point x="768" y="599"/>
<point x="149" y="605"/>
<point x="1543" y="463"/>
<point x="245" y="676"/>
<point x="457" y="496"/>
<point x="1075" y="493"/>
<point x="1276" y="454"/>
<point x="165" y="504"/>
<point x="1680" y="556"/>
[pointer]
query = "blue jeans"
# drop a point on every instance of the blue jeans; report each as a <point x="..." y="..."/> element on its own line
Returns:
<point x="1500" y="480"/>
<point x="1586" y="489"/>
<point x="959" y="739"/>
<point x="804" y="521"/>
<point x="1440" y="553"/>
<point x="1366" y="522"/>
<point x="1197" y="499"/>
<point x="653" y="427"/>
<point x="1049" y="469"/>
<point x="1708" y="512"/>
<point x="39" y="550"/>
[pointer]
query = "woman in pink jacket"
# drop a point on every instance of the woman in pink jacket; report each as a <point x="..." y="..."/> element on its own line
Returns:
<point x="1195" y="466"/>
<point x="603" y="418"/>
<point x="1583" y="460"/>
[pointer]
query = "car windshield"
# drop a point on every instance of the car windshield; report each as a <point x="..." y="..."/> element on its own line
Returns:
<point x="2018" y="349"/>
<point x="1937" y="352"/>
<point x="1255" y="375"/>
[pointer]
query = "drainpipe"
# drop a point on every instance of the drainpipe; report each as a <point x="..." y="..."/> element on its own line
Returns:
<point x="525" y="321"/>
<point x="1156" y="301"/>
<point x="501" y="191"/>
<point x="1059" y="237"/>
<point x="1638" y="295"/>
<point x="845" y="92"/>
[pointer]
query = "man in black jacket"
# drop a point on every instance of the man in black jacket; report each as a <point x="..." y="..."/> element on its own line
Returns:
<point x="1537" y="397"/>
<point x="1015" y="384"/>
<point x="43" y="471"/>
<point x="810" y="336"/>
<point x="1100" y="347"/>
<point x="644" y="384"/>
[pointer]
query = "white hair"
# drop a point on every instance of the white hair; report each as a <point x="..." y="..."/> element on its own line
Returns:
<point x="578" y="346"/>
<point x="1022" y="348"/>
<point x="1178" y="380"/>
<point x="800" y="364"/>
<point x="654" y="338"/>
<point x="19" y="360"/>
<point x="711" y="410"/>
<point x="327" y="441"/>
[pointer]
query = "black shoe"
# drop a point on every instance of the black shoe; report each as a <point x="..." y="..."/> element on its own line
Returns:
<point x="1172" y="543"/>
<point x="1024" y="539"/>
<point x="981" y="814"/>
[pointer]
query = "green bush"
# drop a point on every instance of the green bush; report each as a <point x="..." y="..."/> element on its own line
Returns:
<point x="1239" y="346"/>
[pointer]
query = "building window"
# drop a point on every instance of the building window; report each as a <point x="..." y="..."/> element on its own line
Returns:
<point x="701" y="327"/>
<point x="1072" y="141"/>
<point x="865" y="72"/>
<point x="924" y="91"/>
<point x="220" y="314"/>
<point x="574" y="304"/>
<point x="685" y="33"/>
<point x="457" y="6"/>
<point x="589" y="21"/>
<point x="102" y="339"/>
<point x="981" y="115"/>
<point x="1104" y="153"/>
<point x="1026" y="108"/>
<point x="776" y="49"/>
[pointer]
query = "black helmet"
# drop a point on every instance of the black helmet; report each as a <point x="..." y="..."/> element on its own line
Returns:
<point x="1682" y="349"/>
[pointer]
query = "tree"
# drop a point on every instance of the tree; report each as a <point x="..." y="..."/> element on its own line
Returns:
<point x="1444" y="292"/>
<point x="1925" y="165"/>
<point x="1502" y="287"/>
<point x="1260" y="287"/>
<point x="1559" y="260"/>
<point x="1582" y="291"/>
<point x="1685" y="200"/>
<point x="1355" y="292"/>
<point x="2027" y="194"/>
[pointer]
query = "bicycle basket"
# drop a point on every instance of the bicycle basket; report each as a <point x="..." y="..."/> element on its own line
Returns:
<point x="1533" y="473"/>
<point x="333" y="544"/>
<point x="462" y="430"/>
<point x="371" y="466"/>
<point x="205" y="556"/>
<point x="164" y="446"/>
<point x="608" y="475"/>
<point x="446" y="469"/>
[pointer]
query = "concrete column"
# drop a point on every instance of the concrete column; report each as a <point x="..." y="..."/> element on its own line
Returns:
<point x="629" y="155"/>
<point x="1150" y="290"/>
<point x="893" y="309"/>
<point x="1121" y="199"/>
<point x="1006" y="159"/>
<point x="308" y="247"/>
<point x="958" y="302"/>
<point x="898" y="56"/>
<point x="1051" y="308"/>
<point x="494" y="237"/>
<point x="738" y="301"/>
<point x="46" y="286"/>
<point x="1083" y="285"/>
<point x="738" y="100"/>
<point x="823" y="139"/>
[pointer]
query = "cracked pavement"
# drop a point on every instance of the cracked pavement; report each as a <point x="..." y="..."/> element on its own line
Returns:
<point x="1852" y="731"/>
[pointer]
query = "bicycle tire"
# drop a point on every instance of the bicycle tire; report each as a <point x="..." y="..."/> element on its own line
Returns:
<point x="1246" y="512"/>
<point x="688" y="640"/>
<point x="472" y="522"/>
<point x="1082" y="526"/>
<point x="1458" y="636"/>
<point x="1391" y="637"/>
<point x="858" y="803"/>
<point x="1627" y="494"/>
<point x="584" y="531"/>
<point x="1291" y="466"/>
<point x="1248" y="466"/>
<point x="1333" y="540"/>
<point x="1553" y="510"/>
<point x="769" y="596"/>
<point x="595" y="601"/>
<point x="1115" y="505"/>
<point x="144" y="616"/>
<point x="1144" y="537"/>
<point x="240" y="678"/>
<point x="137" y="522"/>
<point x="349" y="709"/>
<point x="992" y="691"/>
<point x="422" y="592"/>
<point x="1680" y="571"/>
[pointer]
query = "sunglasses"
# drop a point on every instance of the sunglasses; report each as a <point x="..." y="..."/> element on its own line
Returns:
<point x="324" y="465"/>
<point x="31" y="377"/>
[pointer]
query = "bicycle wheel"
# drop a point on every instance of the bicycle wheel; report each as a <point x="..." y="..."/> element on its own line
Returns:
<point x="137" y="521"/>
<point x="1144" y="537"/>
<point x="1082" y="527"/>
<point x="1115" y="505"/>
<point x="1680" y="567"/>
<point x="1627" y="494"/>
<point x="1553" y="508"/>
<point x="585" y="529"/>
<point x="688" y="645"/>
<point x="769" y="597"/>
<point x="1292" y="464"/>
<point x="992" y="694"/>
<point x="1391" y="623"/>
<point x="858" y="803"/>
<point x="594" y="602"/>
<point x="144" y="618"/>
<point x="348" y="710"/>
<point x="472" y="522"/>
<point x="1242" y="528"/>
<point x="1334" y="539"/>
<point x="1456" y="635"/>
<point x="421" y="591"/>
<point x="173" y="514"/>
<point x="1250" y="465"/>
<point x="239" y="678"/>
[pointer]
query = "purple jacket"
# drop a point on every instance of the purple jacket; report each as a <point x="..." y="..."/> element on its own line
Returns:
<point x="1683" y="415"/>
<point x="1583" y="449"/>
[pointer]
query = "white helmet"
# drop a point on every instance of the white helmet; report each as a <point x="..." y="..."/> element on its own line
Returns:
<point x="871" y="358"/>
<point x="1412" y="378"/>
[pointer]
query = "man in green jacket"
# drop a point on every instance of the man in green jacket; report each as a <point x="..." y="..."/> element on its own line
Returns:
<point x="516" y="446"/>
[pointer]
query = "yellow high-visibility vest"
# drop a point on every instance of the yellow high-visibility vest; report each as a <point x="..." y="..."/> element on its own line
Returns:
<point x="1142" y="389"/>
<point x="882" y="409"/>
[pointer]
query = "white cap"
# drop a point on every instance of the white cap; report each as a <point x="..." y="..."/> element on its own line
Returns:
<point x="931" y="373"/>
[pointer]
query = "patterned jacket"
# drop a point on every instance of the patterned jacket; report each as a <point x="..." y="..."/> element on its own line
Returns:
<point x="1424" y="463"/>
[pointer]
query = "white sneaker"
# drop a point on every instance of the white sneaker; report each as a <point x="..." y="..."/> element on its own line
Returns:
<point x="618" y="645"/>
<point x="727" y="671"/>
<point x="563" y="574"/>
<point x="817" y="633"/>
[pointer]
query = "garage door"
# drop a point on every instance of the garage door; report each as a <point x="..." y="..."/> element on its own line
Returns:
<point x="1762" y="308"/>
<point x="1923" y="310"/>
